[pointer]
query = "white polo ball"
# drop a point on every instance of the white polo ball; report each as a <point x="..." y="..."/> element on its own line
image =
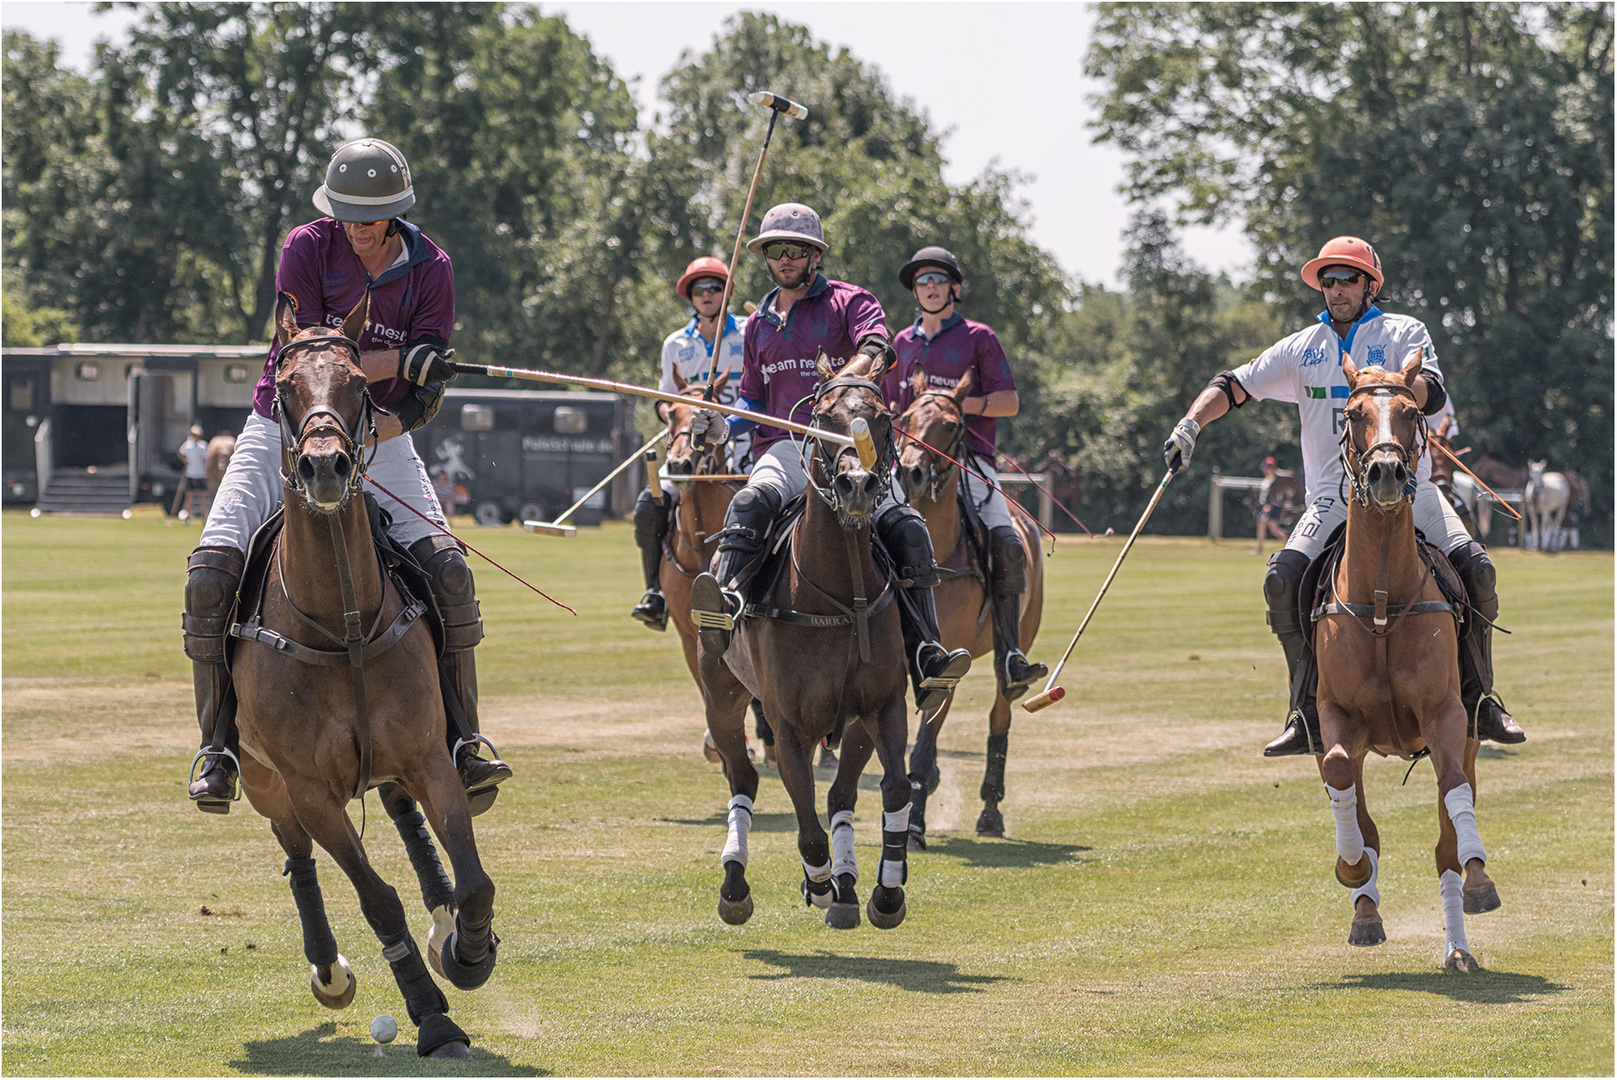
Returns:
<point x="384" y="1029"/>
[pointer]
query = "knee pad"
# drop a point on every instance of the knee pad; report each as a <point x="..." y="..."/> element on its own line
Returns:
<point x="747" y="521"/>
<point x="452" y="586"/>
<point x="902" y="531"/>
<point x="212" y="577"/>
<point x="650" y="519"/>
<point x="1280" y="585"/>
<point x="1470" y="560"/>
<point x="1010" y="561"/>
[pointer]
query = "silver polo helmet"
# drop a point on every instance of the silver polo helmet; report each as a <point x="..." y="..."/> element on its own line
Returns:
<point x="367" y="180"/>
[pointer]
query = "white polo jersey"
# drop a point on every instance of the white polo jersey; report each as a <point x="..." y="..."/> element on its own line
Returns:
<point x="690" y="354"/>
<point x="1306" y="369"/>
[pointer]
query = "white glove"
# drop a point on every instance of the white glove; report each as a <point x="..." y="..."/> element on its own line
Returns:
<point x="710" y="427"/>
<point x="1177" y="449"/>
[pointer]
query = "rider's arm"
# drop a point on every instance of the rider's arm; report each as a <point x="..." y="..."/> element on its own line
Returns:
<point x="740" y="425"/>
<point x="998" y="403"/>
<point x="1216" y="399"/>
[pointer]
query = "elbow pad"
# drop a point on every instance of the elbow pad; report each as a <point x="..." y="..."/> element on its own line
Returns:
<point x="1436" y="396"/>
<point x="877" y="346"/>
<point x="1225" y="382"/>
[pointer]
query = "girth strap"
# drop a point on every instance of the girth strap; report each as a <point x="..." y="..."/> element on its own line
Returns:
<point x="803" y="618"/>
<point x="1424" y="607"/>
<point x="255" y="630"/>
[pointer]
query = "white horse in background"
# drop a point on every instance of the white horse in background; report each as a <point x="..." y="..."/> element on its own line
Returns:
<point x="1544" y="504"/>
<point x="1469" y="492"/>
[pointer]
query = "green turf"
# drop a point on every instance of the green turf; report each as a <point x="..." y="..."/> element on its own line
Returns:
<point x="1163" y="902"/>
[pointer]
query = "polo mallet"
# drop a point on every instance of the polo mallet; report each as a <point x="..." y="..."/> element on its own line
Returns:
<point x="1511" y="510"/>
<point x="557" y="527"/>
<point x="777" y="105"/>
<point x="1053" y="693"/>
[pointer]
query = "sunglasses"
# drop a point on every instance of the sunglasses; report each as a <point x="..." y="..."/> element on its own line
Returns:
<point x="931" y="277"/>
<point x="783" y="249"/>
<point x="1341" y="277"/>
<point x="702" y="288"/>
<point x="363" y="224"/>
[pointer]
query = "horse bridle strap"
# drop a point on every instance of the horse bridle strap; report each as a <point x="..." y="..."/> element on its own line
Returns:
<point x="1357" y="479"/>
<point x="352" y="437"/>
<point x="882" y="467"/>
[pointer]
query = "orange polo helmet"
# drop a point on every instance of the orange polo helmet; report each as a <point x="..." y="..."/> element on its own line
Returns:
<point x="706" y="266"/>
<point x="1345" y="251"/>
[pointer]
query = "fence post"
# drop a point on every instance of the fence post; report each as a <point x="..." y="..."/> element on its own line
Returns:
<point x="1215" y="508"/>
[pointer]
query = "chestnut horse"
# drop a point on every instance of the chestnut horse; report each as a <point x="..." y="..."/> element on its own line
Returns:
<point x="931" y="484"/>
<point x="824" y="649"/>
<point x="320" y="725"/>
<point x="1389" y="677"/>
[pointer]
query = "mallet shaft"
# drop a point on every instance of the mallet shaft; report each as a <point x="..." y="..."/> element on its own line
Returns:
<point x="609" y="477"/>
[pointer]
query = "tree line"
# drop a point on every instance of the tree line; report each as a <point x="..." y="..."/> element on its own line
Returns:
<point x="146" y="200"/>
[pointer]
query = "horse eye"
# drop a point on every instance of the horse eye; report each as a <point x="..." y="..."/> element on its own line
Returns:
<point x="951" y="425"/>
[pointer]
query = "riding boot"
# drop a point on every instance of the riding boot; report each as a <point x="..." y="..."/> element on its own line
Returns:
<point x="934" y="670"/>
<point x="717" y="596"/>
<point x="1489" y="720"/>
<point x="1007" y="583"/>
<point x="453" y="589"/>
<point x="1280" y="586"/>
<point x="213" y="574"/>
<point x="651" y="518"/>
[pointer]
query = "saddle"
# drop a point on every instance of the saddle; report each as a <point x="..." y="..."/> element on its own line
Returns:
<point x="1314" y="595"/>
<point x="413" y="583"/>
<point x="777" y="556"/>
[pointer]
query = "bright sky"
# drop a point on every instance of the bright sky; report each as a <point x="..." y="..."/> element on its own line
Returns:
<point x="1004" y="79"/>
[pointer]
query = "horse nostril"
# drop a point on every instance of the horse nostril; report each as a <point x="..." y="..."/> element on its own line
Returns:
<point x="306" y="470"/>
<point x="871" y="483"/>
<point x="343" y="466"/>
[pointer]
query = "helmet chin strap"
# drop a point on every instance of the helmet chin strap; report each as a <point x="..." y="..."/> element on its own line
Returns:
<point x="947" y="304"/>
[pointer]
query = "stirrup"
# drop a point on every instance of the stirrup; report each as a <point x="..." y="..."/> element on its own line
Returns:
<point x="1281" y="747"/>
<point x="959" y="663"/>
<point x="473" y="741"/>
<point x="653" y="616"/>
<point x="206" y="804"/>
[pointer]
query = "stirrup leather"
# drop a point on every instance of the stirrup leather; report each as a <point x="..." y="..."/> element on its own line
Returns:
<point x="196" y="774"/>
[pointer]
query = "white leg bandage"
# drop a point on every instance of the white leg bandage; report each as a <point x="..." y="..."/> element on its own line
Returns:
<point x="1369" y="887"/>
<point x="735" y="845"/>
<point x="1349" y="840"/>
<point x="1462" y="813"/>
<point x="817" y="874"/>
<point x="1448" y="887"/>
<point x="896" y="820"/>
<point x="842" y="859"/>
<point x="895" y="826"/>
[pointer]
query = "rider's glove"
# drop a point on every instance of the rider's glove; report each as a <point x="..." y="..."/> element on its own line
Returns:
<point x="425" y="363"/>
<point x="1177" y="450"/>
<point x="710" y="427"/>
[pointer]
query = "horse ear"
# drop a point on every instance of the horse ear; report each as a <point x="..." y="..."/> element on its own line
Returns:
<point x="1411" y="370"/>
<point x="286" y="323"/>
<point x="354" y="324"/>
<point x="720" y="383"/>
<point x="822" y="367"/>
<point x="1350" y="370"/>
<point x="962" y="389"/>
<point x="680" y="382"/>
<point x="918" y="381"/>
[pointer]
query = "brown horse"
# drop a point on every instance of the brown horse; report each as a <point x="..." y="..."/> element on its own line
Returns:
<point x="824" y="651"/>
<point x="1443" y="473"/>
<point x="965" y="610"/>
<point x="319" y="726"/>
<point x="1389" y="679"/>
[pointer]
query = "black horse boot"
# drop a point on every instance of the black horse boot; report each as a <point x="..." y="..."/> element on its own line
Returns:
<point x="934" y="670"/>
<point x="1280" y="585"/>
<point x="213" y="574"/>
<point x="1490" y="720"/>
<point x="1007" y="581"/>
<point x="651" y="518"/>
<point x="453" y="589"/>
<point x="717" y="597"/>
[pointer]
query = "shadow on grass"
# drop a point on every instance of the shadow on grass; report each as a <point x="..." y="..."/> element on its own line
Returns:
<point x="1003" y="853"/>
<point x="1489" y="752"/>
<point x="922" y="976"/>
<point x="1476" y="988"/>
<point x="319" y="1052"/>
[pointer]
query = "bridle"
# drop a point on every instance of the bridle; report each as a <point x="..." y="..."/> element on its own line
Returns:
<point x="828" y="459"/>
<point x="1409" y="456"/>
<point x="938" y="472"/>
<point x="292" y="436"/>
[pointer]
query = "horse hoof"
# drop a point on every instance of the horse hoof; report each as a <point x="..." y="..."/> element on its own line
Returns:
<point x="991" y="822"/>
<point x="463" y="975"/>
<point x="1480" y="898"/>
<point x="443" y="924"/>
<point x="1460" y="960"/>
<point x="339" y="993"/>
<point x="735" y="912"/>
<point x="933" y="777"/>
<point x="1352" y="875"/>
<point x="842" y="916"/>
<point x="885" y="920"/>
<point x="441" y="1037"/>
<point x="917" y="839"/>
<point x="1368" y="931"/>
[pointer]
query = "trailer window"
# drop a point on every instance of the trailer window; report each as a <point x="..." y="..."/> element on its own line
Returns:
<point x="571" y="421"/>
<point x="88" y="370"/>
<point x="236" y="373"/>
<point x="22" y="395"/>
<point x="476" y="418"/>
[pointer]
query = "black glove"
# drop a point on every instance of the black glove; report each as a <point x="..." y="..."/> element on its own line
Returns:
<point x="425" y="363"/>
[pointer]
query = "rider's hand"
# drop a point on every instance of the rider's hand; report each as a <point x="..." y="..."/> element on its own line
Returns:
<point x="1177" y="449"/>
<point x="710" y="427"/>
<point x="424" y="364"/>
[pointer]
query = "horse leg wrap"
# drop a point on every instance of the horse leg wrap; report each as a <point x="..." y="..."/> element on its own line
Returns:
<point x="421" y="994"/>
<point x="319" y="945"/>
<point x="1345" y="807"/>
<point x="1448" y="887"/>
<point x="436" y="888"/>
<point x="993" y="790"/>
<point x="1369" y="887"/>
<point x="735" y="845"/>
<point x="842" y="857"/>
<point x="1462" y="812"/>
<point x="894" y="869"/>
<point x="817" y="885"/>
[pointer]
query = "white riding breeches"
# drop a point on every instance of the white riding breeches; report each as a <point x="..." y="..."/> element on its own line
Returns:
<point x="1434" y="517"/>
<point x="994" y="510"/>
<point x="251" y="488"/>
<point x="781" y="469"/>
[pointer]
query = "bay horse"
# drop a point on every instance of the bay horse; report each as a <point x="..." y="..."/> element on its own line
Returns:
<point x="931" y="485"/>
<point x="823" y="650"/>
<point x="1389" y="677"/>
<point x="319" y="726"/>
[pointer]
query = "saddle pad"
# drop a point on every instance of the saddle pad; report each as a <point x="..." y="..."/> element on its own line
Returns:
<point x="777" y="552"/>
<point x="1317" y="579"/>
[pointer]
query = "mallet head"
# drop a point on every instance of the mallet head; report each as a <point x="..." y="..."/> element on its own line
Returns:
<point x="549" y="528"/>
<point x="1044" y="700"/>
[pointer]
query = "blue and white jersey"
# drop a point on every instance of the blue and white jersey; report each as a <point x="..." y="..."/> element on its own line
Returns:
<point x="690" y="354"/>
<point x="1306" y="369"/>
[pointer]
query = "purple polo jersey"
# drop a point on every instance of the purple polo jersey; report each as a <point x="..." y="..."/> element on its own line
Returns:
<point x="409" y="301"/>
<point x="778" y="359"/>
<point x="960" y="346"/>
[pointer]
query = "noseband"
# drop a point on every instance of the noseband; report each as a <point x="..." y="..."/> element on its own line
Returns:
<point x="938" y="472"/>
<point x="828" y="458"/>
<point x="292" y="439"/>
<point x="1358" y="475"/>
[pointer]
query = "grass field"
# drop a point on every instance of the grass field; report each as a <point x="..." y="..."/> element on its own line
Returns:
<point x="1162" y="904"/>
